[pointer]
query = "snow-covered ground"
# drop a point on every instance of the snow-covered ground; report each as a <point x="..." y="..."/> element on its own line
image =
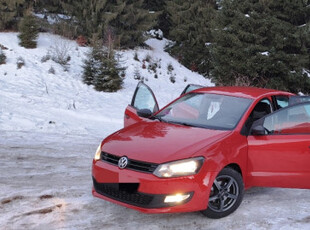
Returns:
<point x="51" y="124"/>
<point x="34" y="100"/>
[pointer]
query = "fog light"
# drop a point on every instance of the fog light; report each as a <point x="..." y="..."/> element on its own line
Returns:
<point x="176" y="198"/>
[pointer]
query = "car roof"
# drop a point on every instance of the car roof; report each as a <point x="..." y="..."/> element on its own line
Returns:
<point x="242" y="91"/>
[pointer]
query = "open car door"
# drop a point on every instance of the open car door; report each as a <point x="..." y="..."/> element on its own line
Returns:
<point x="143" y="105"/>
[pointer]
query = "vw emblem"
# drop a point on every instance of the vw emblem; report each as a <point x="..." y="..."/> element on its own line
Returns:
<point x="122" y="162"/>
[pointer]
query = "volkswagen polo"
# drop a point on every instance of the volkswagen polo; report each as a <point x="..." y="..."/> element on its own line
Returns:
<point x="201" y="151"/>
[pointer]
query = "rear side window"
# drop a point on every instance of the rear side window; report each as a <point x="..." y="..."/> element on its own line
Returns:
<point x="281" y="101"/>
<point x="298" y="99"/>
<point x="293" y="120"/>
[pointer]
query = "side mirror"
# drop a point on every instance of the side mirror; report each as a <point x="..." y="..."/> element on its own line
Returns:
<point x="144" y="113"/>
<point x="258" y="130"/>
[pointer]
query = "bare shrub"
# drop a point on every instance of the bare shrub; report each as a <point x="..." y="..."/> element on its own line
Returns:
<point x="136" y="57"/>
<point x="59" y="52"/>
<point x="45" y="58"/>
<point x="2" y="57"/>
<point x="51" y="70"/>
<point x="170" y="68"/>
<point x="137" y="74"/>
<point x="81" y="41"/>
<point x="147" y="58"/>
<point x="172" y="78"/>
<point x="20" y="62"/>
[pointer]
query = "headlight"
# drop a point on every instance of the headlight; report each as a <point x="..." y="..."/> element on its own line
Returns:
<point x="98" y="153"/>
<point x="179" y="168"/>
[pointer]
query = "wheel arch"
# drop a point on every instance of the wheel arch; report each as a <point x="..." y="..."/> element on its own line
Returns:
<point x="235" y="167"/>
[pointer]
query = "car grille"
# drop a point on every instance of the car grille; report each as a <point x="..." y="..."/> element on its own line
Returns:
<point x="132" y="164"/>
<point x="124" y="192"/>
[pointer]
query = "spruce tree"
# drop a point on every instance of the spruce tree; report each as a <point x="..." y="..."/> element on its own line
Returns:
<point x="154" y="5"/>
<point x="191" y="30"/>
<point x="261" y="42"/>
<point x="101" y="69"/>
<point x="86" y="16"/>
<point x="108" y="80"/>
<point x="163" y="19"/>
<point x="92" y="65"/>
<point x="130" y="21"/>
<point x="164" y="22"/>
<point x="29" y="31"/>
<point x="127" y="19"/>
<point x="10" y="12"/>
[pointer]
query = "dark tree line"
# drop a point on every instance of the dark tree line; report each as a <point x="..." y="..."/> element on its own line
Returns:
<point x="251" y="42"/>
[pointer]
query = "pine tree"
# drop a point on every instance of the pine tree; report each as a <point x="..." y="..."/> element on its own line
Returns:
<point x="126" y="18"/>
<point x="29" y="31"/>
<point x="191" y="30"/>
<point x="101" y="69"/>
<point x="109" y="79"/>
<point x="92" y="65"/>
<point x="154" y="5"/>
<point x="48" y="6"/>
<point x="164" y="22"/>
<point x="130" y="21"/>
<point x="10" y="12"/>
<point x="86" y="16"/>
<point x="261" y="42"/>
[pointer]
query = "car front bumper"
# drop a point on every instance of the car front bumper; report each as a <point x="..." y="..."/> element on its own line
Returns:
<point x="146" y="193"/>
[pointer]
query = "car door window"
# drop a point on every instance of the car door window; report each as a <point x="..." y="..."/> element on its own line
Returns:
<point x="191" y="87"/>
<point x="298" y="99"/>
<point x="281" y="101"/>
<point x="292" y="120"/>
<point x="261" y="109"/>
<point x="144" y="98"/>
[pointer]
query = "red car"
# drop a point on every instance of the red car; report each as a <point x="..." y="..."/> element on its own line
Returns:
<point x="202" y="150"/>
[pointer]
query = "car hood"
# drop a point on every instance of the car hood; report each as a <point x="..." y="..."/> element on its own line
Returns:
<point x="159" y="142"/>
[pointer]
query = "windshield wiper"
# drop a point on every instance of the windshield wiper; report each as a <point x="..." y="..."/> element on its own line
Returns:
<point x="183" y="123"/>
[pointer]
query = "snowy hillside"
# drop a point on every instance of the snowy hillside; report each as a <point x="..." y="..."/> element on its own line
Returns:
<point x="32" y="99"/>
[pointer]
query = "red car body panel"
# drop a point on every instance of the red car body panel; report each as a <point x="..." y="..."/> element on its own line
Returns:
<point x="131" y="116"/>
<point x="151" y="184"/>
<point x="279" y="161"/>
<point x="143" y="141"/>
<point x="245" y="92"/>
<point x="272" y="160"/>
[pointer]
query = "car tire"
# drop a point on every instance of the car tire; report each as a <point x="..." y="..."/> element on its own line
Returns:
<point x="226" y="194"/>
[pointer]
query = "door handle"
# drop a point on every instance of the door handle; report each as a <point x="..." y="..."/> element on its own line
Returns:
<point x="127" y="117"/>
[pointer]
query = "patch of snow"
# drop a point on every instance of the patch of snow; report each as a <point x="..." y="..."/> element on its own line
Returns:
<point x="266" y="53"/>
<point x="305" y="71"/>
<point x="156" y="33"/>
<point x="303" y="25"/>
<point x="52" y="18"/>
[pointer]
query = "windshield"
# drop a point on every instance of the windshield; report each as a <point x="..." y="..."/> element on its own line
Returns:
<point x="203" y="110"/>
